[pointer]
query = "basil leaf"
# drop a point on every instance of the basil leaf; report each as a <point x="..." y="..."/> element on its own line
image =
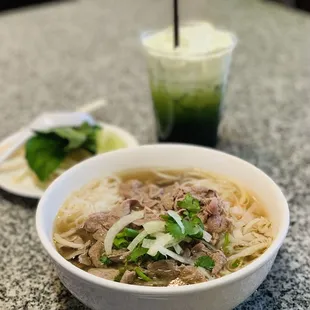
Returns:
<point x="74" y="137"/>
<point x="44" y="154"/>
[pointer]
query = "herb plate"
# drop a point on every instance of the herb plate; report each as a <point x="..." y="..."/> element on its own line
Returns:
<point x="13" y="181"/>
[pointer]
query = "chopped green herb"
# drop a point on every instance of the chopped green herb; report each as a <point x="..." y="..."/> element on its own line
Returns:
<point x="236" y="263"/>
<point x="105" y="260"/>
<point x="174" y="230"/>
<point x="165" y="217"/>
<point x="206" y="262"/>
<point x="226" y="242"/>
<point x="141" y="275"/>
<point x="193" y="227"/>
<point x="196" y="220"/>
<point x="190" y="203"/>
<point x="137" y="253"/>
<point x="120" y="243"/>
<point x="128" y="233"/>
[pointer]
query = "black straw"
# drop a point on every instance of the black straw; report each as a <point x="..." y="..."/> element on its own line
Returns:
<point x="176" y="23"/>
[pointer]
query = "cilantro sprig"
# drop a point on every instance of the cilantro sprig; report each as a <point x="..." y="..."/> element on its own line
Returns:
<point x="193" y="226"/>
<point x="205" y="262"/>
<point x="190" y="204"/>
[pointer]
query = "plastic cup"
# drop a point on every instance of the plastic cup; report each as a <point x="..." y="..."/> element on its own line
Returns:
<point x="187" y="91"/>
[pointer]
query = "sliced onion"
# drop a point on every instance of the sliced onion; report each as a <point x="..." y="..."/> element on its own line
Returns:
<point x="160" y="241"/>
<point x="175" y="256"/>
<point x="137" y="240"/>
<point x="177" y="219"/>
<point x="177" y="248"/>
<point x="119" y="226"/>
<point x="154" y="226"/>
<point x="206" y="236"/>
<point x="205" y="273"/>
<point x="147" y="243"/>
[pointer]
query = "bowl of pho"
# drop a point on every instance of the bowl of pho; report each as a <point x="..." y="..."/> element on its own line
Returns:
<point x="163" y="227"/>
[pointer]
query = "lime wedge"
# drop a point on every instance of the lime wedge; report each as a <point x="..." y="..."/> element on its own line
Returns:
<point x="109" y="141"/>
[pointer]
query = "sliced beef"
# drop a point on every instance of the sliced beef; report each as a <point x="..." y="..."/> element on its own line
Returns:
<point x="95" y="253"/>
<point x="214" y="206"/>
<point x="104" y="220"/>
<point x="99" y="220"/>
<point x="100" y="234"/>
<point x="199" y="192"/>
<point x="168" y="198"/>
<point x="119" y="256"/>
<point x="106" y="273"/>
<point x="217" y="224"/>
<point x="128" y="277"/>
<point x="164" y="269"/>
<point x="218" y="256"/>
<point x="191" y="275"/>
<point x="131" y="189"/>
<point x="220" y="261"/>
<point x="84" y="259"/>
<point x="149" y="215"/>
<point x="123" y="208"/>
<point x="154" y="191"/>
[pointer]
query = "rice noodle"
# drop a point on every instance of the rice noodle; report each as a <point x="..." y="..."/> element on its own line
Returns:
<point x="97" y="196"/>
<point x="249" y="251"/>
<point x="67" y="243"/>
<point x="68" y="233"/>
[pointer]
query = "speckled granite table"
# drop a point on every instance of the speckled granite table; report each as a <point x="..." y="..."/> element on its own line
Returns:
<point x="60" y="56"/>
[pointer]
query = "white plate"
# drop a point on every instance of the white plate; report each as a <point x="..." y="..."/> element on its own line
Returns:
<point x="26" y="187"/>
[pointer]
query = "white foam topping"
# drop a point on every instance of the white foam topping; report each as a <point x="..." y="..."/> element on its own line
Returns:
<point x="195" y="38"/>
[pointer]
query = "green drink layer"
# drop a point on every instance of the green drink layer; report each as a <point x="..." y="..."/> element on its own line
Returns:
<point x="190" y="116"/>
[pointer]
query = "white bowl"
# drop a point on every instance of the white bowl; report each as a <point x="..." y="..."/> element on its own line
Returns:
<point x="220" y="294"/>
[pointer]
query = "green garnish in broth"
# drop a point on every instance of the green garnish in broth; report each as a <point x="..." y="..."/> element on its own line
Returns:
<point x="226" y="242"/>
<point x="236" y="264"/>
<point x="142" y="275"/>
<point x="137" y="253"/>
<point x="105" y="260"/>
<point x="128" y="233"/>
<point x="190" y="204"/>
<point x="120" y="243"/>
<point x="205" y="262"/>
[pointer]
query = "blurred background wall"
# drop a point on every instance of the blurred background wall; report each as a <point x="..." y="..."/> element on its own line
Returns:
<point x="11" y="4"/>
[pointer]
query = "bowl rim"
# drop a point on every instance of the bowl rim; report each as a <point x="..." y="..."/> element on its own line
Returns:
<point x="227" y="279"/>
